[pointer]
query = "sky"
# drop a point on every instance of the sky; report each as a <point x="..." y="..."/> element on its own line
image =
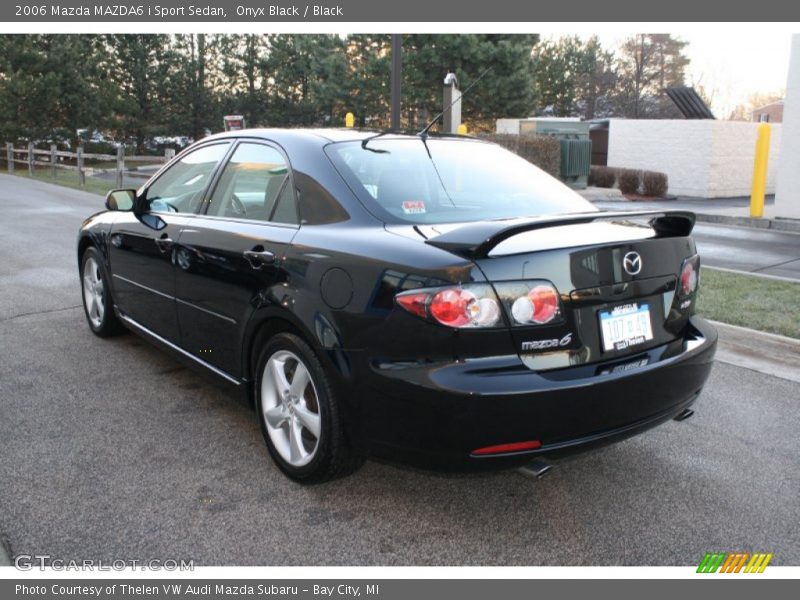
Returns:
<point x="732" y="65"/>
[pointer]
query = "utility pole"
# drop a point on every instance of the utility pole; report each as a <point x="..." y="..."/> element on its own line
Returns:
<point x="397" y="69"/>
<point x="451" y="121"/>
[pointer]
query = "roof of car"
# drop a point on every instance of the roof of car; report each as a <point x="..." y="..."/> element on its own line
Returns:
<point x="332" y="134"/>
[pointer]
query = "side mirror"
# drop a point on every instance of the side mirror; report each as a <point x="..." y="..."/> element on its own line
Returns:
<point x="120" y="200"/>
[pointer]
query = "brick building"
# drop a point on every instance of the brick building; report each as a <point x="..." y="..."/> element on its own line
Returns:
<point x="769" y="113"/>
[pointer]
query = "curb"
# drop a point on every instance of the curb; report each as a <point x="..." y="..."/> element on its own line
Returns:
<point x="783" y="225"/>
<point x="752" y="274"/>
<point x="775" y="337"/>
<point x="768" y="353"/>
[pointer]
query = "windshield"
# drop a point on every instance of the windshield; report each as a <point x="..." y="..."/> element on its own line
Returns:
<point x="461" y="180"/>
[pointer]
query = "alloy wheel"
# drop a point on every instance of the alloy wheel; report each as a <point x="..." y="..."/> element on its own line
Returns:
<point x="290" y="407"/>
<point x="93" y="297"/>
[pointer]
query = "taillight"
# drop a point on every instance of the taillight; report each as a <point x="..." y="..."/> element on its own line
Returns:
<point x="471" y="305"/>
<point x="415" y="303"/>
<point x="540" y="305"/>
<point x="530" y="302"/>
<point x="450" y="306"/>
<point x="690" y="273"/>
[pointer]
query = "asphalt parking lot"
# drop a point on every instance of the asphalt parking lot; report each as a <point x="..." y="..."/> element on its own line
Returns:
<point x="759" y="251"/>
<point x="112" y="450"/>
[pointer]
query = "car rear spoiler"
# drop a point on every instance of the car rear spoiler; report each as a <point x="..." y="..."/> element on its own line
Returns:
<point x="476" y="240"/>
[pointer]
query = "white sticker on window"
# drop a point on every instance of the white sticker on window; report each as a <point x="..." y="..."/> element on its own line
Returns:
<point x="413" y="207"/>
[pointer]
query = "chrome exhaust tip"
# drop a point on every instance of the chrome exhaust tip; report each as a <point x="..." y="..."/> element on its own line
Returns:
<point x="683" y="415"/>
<point x="536" y="469"/>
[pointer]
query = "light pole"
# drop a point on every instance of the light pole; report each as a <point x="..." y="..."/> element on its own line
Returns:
<point x="397" y="69"/>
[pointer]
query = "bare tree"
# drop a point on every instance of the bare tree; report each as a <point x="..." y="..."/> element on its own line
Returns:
<point x="648" y="64"/>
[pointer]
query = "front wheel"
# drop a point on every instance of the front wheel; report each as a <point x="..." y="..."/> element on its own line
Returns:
<point x="97" y="296"/>
<point x="299" y="413"/>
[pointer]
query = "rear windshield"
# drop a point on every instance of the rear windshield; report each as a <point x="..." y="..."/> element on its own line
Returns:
<point x="453" y="180"/>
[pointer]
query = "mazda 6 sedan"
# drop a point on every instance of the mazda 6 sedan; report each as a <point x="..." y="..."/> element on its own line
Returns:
<point x="427" y="299"/>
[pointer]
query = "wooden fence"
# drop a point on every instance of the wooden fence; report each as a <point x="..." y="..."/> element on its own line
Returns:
<point x="55" y="159"/>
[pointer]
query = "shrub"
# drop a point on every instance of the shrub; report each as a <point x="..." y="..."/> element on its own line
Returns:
<point x="541" y="150"/>
<point x="654" y="184"/>
<point x="604" y="177"/>
<point x="629" y="181"/>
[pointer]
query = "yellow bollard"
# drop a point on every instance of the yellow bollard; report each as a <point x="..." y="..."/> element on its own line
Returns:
<point x="760" y="171"/>
<point x="462" y="129"/>
<point x="349" y="120"/>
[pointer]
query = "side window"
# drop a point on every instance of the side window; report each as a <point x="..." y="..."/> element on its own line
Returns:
<point x="286" y="206"/>
<point x="317" y="206"/>
<point x="254" y="185"/>
<point x="180" y="188"/>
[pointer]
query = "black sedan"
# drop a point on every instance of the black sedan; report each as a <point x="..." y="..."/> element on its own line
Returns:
<point x="427" y="299"/>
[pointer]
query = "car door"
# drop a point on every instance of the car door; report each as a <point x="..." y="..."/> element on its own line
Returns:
<point x="230" y="257"/>
<point x="142" y="245"/>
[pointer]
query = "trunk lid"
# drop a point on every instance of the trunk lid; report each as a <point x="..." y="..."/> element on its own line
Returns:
<point x="584" y="257"/>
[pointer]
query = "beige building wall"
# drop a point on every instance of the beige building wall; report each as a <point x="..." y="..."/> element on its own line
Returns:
<point x="787" y="196"/>
<point x="702" y="158"/>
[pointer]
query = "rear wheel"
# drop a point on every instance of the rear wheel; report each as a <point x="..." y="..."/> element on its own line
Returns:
<point x="299" y="413"/>
<point x="97" y="296"/>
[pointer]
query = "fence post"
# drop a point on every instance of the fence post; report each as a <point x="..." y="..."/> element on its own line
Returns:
<point x="10" y="153"/>
<point x="53" y="161"/>
<point x="30" y="159"/>
<point x="120" y="164"/>
<point x="169" y="154"/>
<point x="81" y="174"/>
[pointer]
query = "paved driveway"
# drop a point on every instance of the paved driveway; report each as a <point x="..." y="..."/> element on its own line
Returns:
<point x="112" y="450"/>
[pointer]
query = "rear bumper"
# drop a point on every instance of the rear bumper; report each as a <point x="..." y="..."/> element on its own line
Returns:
<point x="435" y="415"/>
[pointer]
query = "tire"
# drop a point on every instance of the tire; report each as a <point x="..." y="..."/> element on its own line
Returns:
<point x="98" y="305"/>
<point x="300" y="416"/>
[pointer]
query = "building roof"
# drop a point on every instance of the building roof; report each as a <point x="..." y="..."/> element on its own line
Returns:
<point x="769" y="104"/>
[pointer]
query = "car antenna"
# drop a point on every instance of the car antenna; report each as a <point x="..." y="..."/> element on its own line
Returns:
<point x="424" y="133"/>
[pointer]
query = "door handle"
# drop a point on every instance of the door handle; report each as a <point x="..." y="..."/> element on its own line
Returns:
<point x="258" y="257"/>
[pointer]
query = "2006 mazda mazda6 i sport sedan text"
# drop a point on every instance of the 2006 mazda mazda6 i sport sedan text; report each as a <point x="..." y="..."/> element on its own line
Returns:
<point x="428" y="299"/>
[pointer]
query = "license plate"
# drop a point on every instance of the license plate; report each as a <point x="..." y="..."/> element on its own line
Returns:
<point x="625" y="326"/>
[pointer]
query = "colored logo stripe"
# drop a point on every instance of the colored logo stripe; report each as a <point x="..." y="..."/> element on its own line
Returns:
<point x="733" y="562"/>
<point x="758" y="563"/>
<point x="711" y="562"/>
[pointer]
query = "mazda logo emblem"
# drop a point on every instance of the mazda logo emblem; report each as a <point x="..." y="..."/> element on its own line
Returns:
<point x="632" y="263"/>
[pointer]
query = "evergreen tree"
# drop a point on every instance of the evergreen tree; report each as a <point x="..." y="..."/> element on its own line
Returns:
<point x="506" y="90"/>
<point x="244" y="64"/>
<point x="368" y="60"/>
<point x="573" y="77"/>
<point x="142" y="65"/>
<point x="52" y="85"/>
<point x="195" y="78"/>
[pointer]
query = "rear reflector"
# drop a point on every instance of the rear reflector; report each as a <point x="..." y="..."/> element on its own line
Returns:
<point x="508" y="448"/>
